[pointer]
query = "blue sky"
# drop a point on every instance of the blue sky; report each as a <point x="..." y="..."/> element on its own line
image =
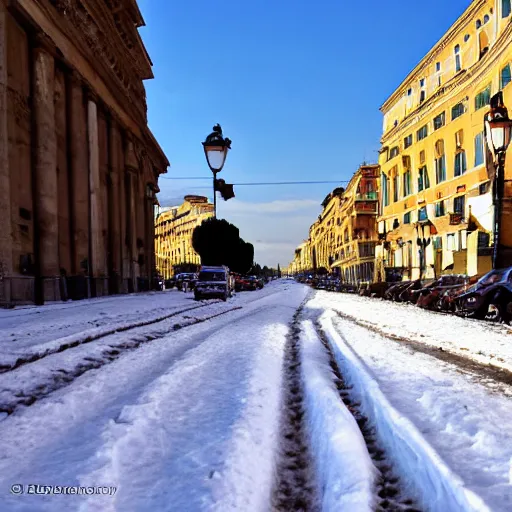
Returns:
<point x="296" y="85"/>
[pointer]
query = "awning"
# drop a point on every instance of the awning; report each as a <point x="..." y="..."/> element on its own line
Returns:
<point x="482" y="211"/>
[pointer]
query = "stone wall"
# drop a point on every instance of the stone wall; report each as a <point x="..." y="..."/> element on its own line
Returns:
<point x="75" y="167"/>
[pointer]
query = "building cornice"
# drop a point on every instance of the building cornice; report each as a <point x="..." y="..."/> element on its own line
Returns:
<point x="452" y="87"/>
<point x="447" y="39"/>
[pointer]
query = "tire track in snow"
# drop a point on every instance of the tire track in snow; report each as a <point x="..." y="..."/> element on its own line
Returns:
<point x="62" y="378"/>
<point x="484" y="371"/>
<point x="295" y="487"/>
<point x="32" y="358"/>
<point x="390" y="490"/>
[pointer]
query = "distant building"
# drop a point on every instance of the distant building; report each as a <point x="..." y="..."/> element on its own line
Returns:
<point x="437" y="205"/>
<point x="79" y="166"/>
<point x="343" y="238"/>
<point x="355" y="232"/>
<point x="174" y="227"/>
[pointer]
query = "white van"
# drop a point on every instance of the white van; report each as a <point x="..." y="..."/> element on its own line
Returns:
<point x="213" y="282"/>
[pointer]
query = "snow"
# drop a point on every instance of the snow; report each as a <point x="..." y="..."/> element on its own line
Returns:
<point x="434" y="481"/>
<point x="344" y="468"/>
<point x="481" y="341"/>
<point x="185" y="422"/>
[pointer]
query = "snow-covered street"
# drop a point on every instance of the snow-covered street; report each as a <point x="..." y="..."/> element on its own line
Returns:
<point x="279" y="399"/>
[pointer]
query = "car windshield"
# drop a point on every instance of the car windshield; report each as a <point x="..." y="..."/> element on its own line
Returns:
<point x="212" y="276"/>
<point x="492" y="277"/>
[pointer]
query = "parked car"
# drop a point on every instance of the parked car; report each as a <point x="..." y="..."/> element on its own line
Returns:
<point x="393" y="292"/>
<point x="433" y="296"/>
<point x="170" y="283"/>
<point x="213" y="282"/>
<point x="490" y="298"/>
<point x="189" y="278"/>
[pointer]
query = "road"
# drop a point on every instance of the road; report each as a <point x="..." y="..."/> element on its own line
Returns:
<point x="271" y="401"/>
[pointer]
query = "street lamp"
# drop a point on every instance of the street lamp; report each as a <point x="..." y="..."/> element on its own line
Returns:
<point x="498" y="133"/>
<point x="216" y="149"/>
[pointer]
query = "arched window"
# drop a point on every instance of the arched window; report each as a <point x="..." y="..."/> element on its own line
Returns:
<point x="483" y="43"/>
<point x="458" y="65"/>
<point x="505" y="8"/>
<point x="486" y="19"/>
<point x="478" y="24"/>
<point x="466" y="38"/>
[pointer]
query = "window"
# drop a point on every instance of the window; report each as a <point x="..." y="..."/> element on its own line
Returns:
<point x="483" y="98"/>
<point x="457" y="110"/>
<point x="460" y="163"/>
<point x="393" y="152"/>
<point x="459" y="205"/>
<point x="385" y="189"/>
<point x="479" y="149"/>
<point x="408" y="141"/>
<point x="484" y="188"/>
<point x="505" y="76"/>
<point x="440" y="162"/>
<point x="407" y="183"/>
<point x="458" y="65"/>
<point x="422" y="82"/>
<point x="439" y="121"/>
<point x="486" y="19"/>
<point x="423" y="180"/>
<point x="422" y="214"/>
<point x="440" y="209"/>
<point x="409" y="92"/>
<point x="505" y="8"/>
<point x="478" y="24"/>
<point x="438" y="67"/>
<point x="466" y="38"/>
<point x="395" y="188"/>
<point x="407" y="218"/>
<point x="423" y="92"/>
<point x="422" y="133"/>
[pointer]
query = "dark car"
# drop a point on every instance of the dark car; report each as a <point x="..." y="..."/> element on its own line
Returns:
<point x="189" y="278"/>
<point x="431" y="296"/>
<point x="490" y="298"/>
<point x="393" y="293"/>
<point x="170" y="283"/>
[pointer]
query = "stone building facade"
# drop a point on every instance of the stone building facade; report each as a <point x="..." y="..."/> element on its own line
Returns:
<point x="174" y="227"/>
<point x="78" y="165"/>
<point x="437" y="212"/>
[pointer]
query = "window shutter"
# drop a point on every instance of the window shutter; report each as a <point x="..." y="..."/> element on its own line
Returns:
<point x="406" y="162"/>
<point x="422" y="157"/>
<point x="459" y="139"/>
<point x="439" y="148"/>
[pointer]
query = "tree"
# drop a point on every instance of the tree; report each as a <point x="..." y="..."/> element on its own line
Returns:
<point x="215" y="240"/>
<point x="218" y="243"/>
<point x="278" y="271"/>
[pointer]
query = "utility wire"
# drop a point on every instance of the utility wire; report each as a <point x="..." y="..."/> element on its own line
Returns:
<point x="264" y="183"/>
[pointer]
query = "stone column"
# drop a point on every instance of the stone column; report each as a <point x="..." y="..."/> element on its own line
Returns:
<point x="131" y="167"/>
<point x="45" y="165"/>
<point x="96" y="243"/>
<point x="5" y="182"/>
<point x="79" y="187"/>
<point x="114" y="206"/>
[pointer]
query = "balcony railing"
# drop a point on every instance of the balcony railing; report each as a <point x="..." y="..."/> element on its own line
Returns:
<point x="366" y="207"/>
<point x="457" y="218"/>
<point x="369" y="196"/>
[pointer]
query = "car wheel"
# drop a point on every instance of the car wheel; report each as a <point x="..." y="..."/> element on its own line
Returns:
<point x="225" y="297"/>
<point x="494" y="312"/>
<point x="197" y="296"/>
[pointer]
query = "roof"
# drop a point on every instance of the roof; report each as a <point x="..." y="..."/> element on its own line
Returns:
<point x="438" y="47"/>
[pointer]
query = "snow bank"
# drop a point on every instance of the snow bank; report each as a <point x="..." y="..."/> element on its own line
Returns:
<point x="484" y="342"/>
<point x="344" y="467"/>
<point x="435" y="484"/>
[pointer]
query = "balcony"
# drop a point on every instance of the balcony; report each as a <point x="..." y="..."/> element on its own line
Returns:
<point x="456" y="219"/>
<point x="369" y="196"/>
<point x="364" y="206"/>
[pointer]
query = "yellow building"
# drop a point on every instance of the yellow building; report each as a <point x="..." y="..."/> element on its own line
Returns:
<point x="343" y="238"/>
<point x="302" y="261"/>
<point x="437" y="208"/>
<point x="322" y="232"/>
<point x="173" y="234"/>
<point x="355" y="230"/>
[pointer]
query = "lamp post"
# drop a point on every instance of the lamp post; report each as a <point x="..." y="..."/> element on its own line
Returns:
<point x="216" y="149"/>
<point x="498" y="131"/>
